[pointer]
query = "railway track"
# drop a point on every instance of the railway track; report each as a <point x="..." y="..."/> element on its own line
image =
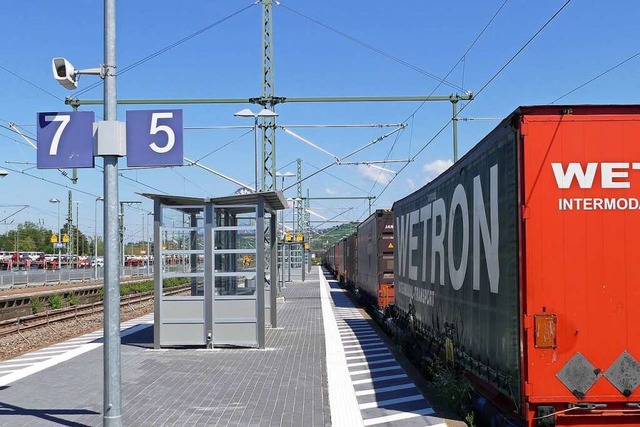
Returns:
<point x="77" y="312"/>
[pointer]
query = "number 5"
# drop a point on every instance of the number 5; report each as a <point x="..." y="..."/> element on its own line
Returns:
<point x="64" y="120"/>
<point x="155" y="128"/>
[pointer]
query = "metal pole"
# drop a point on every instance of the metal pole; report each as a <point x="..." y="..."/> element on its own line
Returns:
<point x="77" y="234"/>
<point x="122" y="253"/>
<point x="273" y="273"/>
<point x="268" y="158"/>
<point x="454" y="102"/>
<point x="260" y="267"/>
<point x="112" y="397"/>
<point x="148" y="248"/>
<point x="293" y="235"/>
<point x="95" y="240"/>
<point x="308" y="225"/>
<point x="255" y="151"/>
<point x="59" y="242"/>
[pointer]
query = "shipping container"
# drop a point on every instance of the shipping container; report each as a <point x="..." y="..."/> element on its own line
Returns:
<point x="375" y="258"/>
<point x="350" y="261"/>
<point x="521" y="261"/>
<point x="332" y="259"/>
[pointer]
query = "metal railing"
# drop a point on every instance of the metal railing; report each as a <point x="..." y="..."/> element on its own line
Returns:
<point x="13" y="279"/>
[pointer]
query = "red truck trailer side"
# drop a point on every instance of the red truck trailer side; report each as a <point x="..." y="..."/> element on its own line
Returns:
<point x="521" y="260"/>
<point x="581" y="273"/>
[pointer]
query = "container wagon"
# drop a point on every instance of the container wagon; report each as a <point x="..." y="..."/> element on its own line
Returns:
<point x="340" y="260"/>
<point x="375" y="259"/>
<point x="521" y="264"/>
<point x="329" y="259"/>
<point x="350" y="276"/>
<point x="332" y="259"/>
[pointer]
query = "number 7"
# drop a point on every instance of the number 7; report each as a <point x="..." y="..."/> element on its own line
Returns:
<point x="64" y="120"/>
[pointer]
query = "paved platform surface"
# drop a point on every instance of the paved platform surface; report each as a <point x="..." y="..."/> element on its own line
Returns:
<point x="297" y="381"/>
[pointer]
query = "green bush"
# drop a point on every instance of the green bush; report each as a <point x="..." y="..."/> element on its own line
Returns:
<point x="452" y="388"/>
<point x="73" y="299"/>
<point x="56" y="301"/>
<point x="36" y="305"/>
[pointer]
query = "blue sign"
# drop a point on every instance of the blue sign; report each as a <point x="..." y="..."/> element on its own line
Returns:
<point x="65" y="140"/>
<point x="154" y="138"/>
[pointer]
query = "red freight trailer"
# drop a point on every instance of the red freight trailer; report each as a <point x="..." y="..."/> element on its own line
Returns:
<point x="522" y="260"/>
<point x="375" y="258"/>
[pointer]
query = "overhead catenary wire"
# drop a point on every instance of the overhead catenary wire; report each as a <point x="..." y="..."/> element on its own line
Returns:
<point x="306" y="141"/>
<point x="12" y="139"/>
<point x="51" y="182"/>
<point x="373" y="48"/>
<point x="464" y="55"/>
<point x="596" y="77"/>
<point x="161" y="51"/>
<point x="30" y="83"/>
<point x="357" y="150"/>
<point x="495" y="75"/>
<point x="208" y="169"/>
<point x="225" y="145"/>
<point x="168" y="48"/>
<point x="419" y="107"/>
<point x="175" y="170"/>
<point x="15" y="213"/>
<point x="338" y="178"/>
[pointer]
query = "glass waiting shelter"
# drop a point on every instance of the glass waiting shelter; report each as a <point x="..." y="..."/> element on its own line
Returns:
<point x="213" y="265"/>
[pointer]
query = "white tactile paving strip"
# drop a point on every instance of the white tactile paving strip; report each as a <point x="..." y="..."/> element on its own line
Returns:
<point x="373" y="390"/>
<point x="22" y="366"/>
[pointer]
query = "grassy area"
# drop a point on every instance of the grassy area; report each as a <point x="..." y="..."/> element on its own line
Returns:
<point x="55" y="301"/>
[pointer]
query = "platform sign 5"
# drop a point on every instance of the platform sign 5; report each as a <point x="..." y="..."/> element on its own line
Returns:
<point x="65" y="140"/>
<point x="154" y="138"/>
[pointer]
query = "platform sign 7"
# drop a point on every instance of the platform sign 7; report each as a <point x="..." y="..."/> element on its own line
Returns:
<point x="154" y="138"/>
<point x="65" y="140"/>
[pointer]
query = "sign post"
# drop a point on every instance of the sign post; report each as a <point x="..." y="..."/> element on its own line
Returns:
<point x="66" y="140"/>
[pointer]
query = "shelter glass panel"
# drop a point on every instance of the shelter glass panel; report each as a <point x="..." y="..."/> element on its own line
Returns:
<point x="240" y="284"/>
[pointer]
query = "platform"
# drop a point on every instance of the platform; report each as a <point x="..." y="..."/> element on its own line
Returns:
<point x="324" y="366"/>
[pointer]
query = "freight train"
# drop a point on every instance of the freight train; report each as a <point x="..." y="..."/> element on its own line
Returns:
<point x="520" y="265"/>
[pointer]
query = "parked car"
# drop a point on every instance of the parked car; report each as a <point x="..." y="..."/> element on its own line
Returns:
<point x="99" y="261"/>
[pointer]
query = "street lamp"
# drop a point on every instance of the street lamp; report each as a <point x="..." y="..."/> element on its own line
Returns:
<point x="283" y="176"/>
<point x="262" y="113"/>
<point x="56" y="201"/>
<point x="95" y="236"/>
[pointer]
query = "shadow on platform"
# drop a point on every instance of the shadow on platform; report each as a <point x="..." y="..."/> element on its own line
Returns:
<point x="51" y="415"/>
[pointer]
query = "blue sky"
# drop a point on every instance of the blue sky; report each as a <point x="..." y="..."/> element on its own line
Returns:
<point x="321" y="48"/>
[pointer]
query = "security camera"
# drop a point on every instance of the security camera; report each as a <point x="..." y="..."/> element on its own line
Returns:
<point x="64" y="73"/>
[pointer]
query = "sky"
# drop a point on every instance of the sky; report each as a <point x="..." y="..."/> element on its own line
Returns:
<point x="507" y="53"/>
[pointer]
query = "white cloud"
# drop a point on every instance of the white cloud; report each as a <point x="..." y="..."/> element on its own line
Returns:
<point x="411" y="183"/>
<point x="330" y="191"/>
<point x="435" y="168"/>
<point x="375" y="174"/>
